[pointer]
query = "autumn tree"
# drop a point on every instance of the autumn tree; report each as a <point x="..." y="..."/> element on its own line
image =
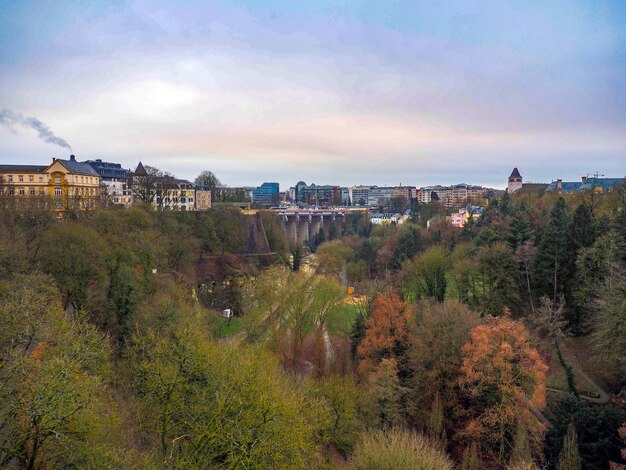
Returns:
<point x="387" y="331"/>
<point x="503" y="379"/>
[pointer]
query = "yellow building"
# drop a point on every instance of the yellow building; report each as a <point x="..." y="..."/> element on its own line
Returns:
<point x="69" y="184"/>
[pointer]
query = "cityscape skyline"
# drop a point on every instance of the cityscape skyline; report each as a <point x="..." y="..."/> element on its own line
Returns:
<point x="330" y="93"/>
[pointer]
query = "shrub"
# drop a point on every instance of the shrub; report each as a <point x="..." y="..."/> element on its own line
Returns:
<point x="398" y="450"/>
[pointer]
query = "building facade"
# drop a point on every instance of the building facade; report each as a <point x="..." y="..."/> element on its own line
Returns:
<point x="203" y="198"/>
<point x="317" y="195"/>
<point x="68" y="184"/>
<point x="266" y="195"/>
<point x="115" y="181"/>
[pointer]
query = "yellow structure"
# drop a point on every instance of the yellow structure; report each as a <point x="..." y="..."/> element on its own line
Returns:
<point x="69" y="184"/>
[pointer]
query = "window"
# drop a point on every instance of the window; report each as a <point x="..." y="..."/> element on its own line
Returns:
<point x="21" y="191"/>
<point x="30" y="178"/>
<point x="58" y="192"/>
<point x="57" y="180"/>
<point x="10" y="178"/>
<point x="21" y="178"/>
<point x="11" y="192"/>
<point x="41" y="179"/>
<point x="32" y="191"/>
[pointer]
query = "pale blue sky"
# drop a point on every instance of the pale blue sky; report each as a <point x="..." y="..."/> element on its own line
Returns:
<point x="328" y="92"/>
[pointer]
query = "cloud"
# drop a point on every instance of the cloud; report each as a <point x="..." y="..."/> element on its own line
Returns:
<point x="9" y="119"/>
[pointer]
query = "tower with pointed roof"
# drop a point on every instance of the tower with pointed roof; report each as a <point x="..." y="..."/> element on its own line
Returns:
<point x="515" y="181"/>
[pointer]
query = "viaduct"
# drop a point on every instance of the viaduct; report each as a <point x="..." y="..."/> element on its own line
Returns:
<point x="301" y="225"/>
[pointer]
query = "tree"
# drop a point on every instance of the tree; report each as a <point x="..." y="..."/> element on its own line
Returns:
<point x="73" y="255"/>
<point x="56" y="409"/>
<point x="609" y="329"/>
<point x="553" y="267"/>
<point x="386" y="333"/>
<point x="283" y="308"/>
<point x="521" y="455"/>
<point x="569" y="458"/>
<point x="331" y="258"/>
<point x="150" y="185"/>
<point x="208" y="179"/>
<point x="340" y="411"/>
<point x="382" y="395"/>
<point x="435" y="356"/>
<point x="488" y="283"/>
<point x="409" y="243"/>
<point x="597" y="430"/>
<point x="583" y="227"/>
<point x="615" y="465"/>
<point x="425" y="275"/>
<point x="397" y="450"/>
<point x="597" y="269"/>
<point x="217" y="405"/>
<point x="503" y="379"/>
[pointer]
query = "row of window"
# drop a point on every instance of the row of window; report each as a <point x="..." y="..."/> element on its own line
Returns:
<point x="31" y="179"/>
<point x="41" y="191"/>
<point x="20" y="178"/>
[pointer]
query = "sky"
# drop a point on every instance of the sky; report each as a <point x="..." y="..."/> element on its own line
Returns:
<point x="345" y="92"/>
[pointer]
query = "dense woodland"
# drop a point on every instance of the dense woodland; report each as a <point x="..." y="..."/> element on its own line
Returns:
<point x="499" y="345"/>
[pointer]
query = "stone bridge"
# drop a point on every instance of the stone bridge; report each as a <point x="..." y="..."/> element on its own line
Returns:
<point x="301" y="225"/>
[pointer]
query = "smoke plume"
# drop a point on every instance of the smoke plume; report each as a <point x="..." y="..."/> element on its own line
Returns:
<point x="9" y="119"/>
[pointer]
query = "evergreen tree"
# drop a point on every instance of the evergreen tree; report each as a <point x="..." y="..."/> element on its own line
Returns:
<point x="296" y="252"/>
<point x="357" y="333"/>
<point x="409" y="243"/>
<point x="569" y="458"/>
<point x="583" y="227"/>
<point x="553" y="266"/>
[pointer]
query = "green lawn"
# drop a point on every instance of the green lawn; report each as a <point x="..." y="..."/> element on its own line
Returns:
<point x="222" y="328"/>
<point x="342" y="318"/>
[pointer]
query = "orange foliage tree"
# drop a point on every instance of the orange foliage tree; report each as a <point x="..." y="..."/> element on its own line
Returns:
<point x="503" y="383"/>
<point x="386" y="331"/>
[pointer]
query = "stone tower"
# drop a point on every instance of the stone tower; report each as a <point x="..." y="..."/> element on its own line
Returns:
<point x="515" y="181"/>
